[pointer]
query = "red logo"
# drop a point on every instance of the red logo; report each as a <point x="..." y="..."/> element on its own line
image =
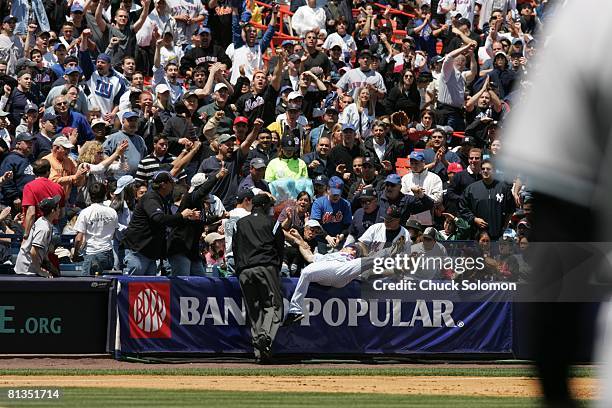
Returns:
<point x="150" y="310"/>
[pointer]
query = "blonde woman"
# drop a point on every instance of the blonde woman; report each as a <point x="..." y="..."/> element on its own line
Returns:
<point x="360" y="113"/>
<point x="92" y="154"/>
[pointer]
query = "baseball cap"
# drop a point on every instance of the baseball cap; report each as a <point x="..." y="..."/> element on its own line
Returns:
<point x="336" y="185"/>
<point x="103" y="57"/>
<point x="289" y="141"/>
<point x="24" y="137"/>
<point x="258" y="163"/>
<point x="436" y="58"/>
<point x="393" y="212"/>
<point x="72" y="70"/>
<point x="348" y="126"/>
<point x="365" y="53"/>
<point x="393" y="179"/>
<point x="369" y="161"/>
<point x="226" y="137"/>
<point x="313" y="224"/>
<point x="419" y="156"/>
<point x="335" y="45"/>
<point x="287" y="42"/>
<point x="454" y="168"/>
<point x="244" y="194"/>
<point x="517" y="41"/>
<point x="43" y="34"/>
<point x="293" y="107"/>
<point x="524" y="224"/>
<point x="161" y="88"/>
<point x="123" y="182"/>
<point x="63" y="142"/>
<point x="3" y="114"/>
<point x="241" y="119"/>
<point x="129" y="115"/>
<point x="31" y="107"/>
<point x="188" y="95"/>
<point x="9" y="18"/>
<point x="212" y="237"/>
<point x="98" y="121"/>
<point x="49" y="203"/>
<point x="414" y="224"/>
<point x="368" y="192"/>
<point x="321" y="180"/>
<point x="163" y="176"/>
<point x="58" y="45"/>
<point x="285" y="89"/>
<point x="331" y="109"/>
<point x="430" y="232"/>
<point x="294" y="58"/>
<point x="294" y="95"/>
<point x="219" y="86"/>
<point x="203" y="30"/>
<point x="76" y="8"/>
<point x="197" y="180"/>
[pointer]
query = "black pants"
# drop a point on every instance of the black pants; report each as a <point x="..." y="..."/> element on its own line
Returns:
<point x="262" y="294"/>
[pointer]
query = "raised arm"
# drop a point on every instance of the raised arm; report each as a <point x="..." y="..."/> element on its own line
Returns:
<point x="277" y="75"/>
<point x="245" y="146"/>
<point x="99" y="18"/>
<point x="143" y="15"/>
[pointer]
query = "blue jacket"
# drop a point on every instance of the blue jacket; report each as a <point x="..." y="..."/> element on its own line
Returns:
<point x="78" y="121"/>
<point x="22" y="174"/>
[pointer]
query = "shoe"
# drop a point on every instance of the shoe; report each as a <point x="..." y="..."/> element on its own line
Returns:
<point x="292" y="318"/>
<point x="264" y="345"/>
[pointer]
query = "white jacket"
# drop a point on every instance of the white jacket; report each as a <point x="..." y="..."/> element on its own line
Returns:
<point x="306" y="19"/>
<point x="431" y="183"/>
<point x="375" y="237"/>
<point x="350" y="115"/>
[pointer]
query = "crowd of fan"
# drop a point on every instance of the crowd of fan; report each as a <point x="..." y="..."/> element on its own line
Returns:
<point x="146" y="130"/>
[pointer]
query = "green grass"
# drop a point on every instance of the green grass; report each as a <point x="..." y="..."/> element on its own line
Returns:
<point x="304" y="371"/>
<point x="95" y="397"/>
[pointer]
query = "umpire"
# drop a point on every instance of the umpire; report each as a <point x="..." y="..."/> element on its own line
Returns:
<point x="258" y="252"/>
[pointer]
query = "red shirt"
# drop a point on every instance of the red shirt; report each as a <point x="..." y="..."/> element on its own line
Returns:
<point x="37" y="190"/>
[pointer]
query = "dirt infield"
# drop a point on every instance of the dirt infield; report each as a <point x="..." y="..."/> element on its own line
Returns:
<point x="109" y="363"/>
<point x="584" y="388"/>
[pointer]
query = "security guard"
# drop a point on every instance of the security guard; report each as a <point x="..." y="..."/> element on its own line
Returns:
<point x="258" y="251"/>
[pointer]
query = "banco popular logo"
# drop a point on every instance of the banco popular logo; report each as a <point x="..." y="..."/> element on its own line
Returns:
<point x="149" y="313"/>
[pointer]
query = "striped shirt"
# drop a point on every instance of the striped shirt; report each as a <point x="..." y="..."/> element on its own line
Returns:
<point x="152" y="164"/>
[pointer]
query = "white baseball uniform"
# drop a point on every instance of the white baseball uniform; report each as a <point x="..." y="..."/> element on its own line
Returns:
<point x="336" y="269"/>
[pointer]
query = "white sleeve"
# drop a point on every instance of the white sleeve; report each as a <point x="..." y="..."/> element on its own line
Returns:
<point x="368" y="236"/>
<point x="406" y="184"/>
<point x="436" y="189"/>
<point x="297" y="22"/>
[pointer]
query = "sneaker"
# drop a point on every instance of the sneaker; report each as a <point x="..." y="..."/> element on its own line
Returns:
<point x="264" y="345"/>
<point x="292" y="318"/>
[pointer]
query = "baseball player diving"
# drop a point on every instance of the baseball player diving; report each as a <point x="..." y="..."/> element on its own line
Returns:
<point x="337" y="269"/>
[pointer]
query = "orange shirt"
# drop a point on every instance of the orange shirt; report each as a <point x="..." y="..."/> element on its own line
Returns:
<point x="62" y="172"/>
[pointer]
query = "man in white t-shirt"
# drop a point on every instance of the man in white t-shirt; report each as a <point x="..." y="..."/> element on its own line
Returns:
<point x="95" y="228"/>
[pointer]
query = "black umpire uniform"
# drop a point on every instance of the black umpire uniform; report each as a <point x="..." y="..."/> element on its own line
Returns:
<point x="258" y="252"/>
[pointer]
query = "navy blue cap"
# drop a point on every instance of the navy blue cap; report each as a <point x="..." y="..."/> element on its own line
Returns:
<point x="9" y="18"/>
<point x="129" y="115"/>
<point x="48" y="116"/>
<point x="104" y="57"/>
<point x="393" y="179"/>
<point x="58" y="45"/>
<point x="321" y="179"/>
<point x="203" y="30"/>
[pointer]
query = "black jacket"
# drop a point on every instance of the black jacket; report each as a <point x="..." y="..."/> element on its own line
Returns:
<point x="393" y="151"/>
<point x="184" y="238"/>
<point x="493" y="203"/>
<point x="146" y="233"/>
<point x="397" y="100"/>
<point x="204" y="56"/>
<point x="257" y="242"/>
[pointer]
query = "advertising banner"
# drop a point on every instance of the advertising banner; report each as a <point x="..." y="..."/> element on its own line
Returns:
<point x="207" y="315"/>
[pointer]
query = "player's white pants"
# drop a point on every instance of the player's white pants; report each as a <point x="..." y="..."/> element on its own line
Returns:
<point x="333" y="273"/>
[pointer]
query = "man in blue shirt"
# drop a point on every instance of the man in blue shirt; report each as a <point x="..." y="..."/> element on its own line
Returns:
<point x="333" y="212"/>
